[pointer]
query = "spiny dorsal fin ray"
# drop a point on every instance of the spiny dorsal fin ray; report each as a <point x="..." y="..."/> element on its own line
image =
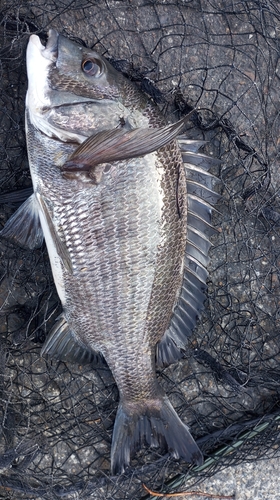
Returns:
<point x="194" y="221"/>
<point x="190" y="302"/>
<point x="202" y="192"/>
<point x="199" y="160"/>
<point x="196" y="272"/>
<point x="198" y="174"/>
<point x="199" y="240"/>
<point x="189" y="145"/>
<point x="200" y="208"/>
<point x="195" y="252"/>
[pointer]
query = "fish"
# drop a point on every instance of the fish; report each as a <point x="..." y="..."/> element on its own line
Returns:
<point x="123" y="201"/>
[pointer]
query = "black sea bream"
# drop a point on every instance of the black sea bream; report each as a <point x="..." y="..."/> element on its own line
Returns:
<point x="128" y="247"/>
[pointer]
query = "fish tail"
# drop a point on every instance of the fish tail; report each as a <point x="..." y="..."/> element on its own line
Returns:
<point x="154" y="423"/>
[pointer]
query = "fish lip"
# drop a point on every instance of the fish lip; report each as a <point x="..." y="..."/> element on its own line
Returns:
<point x="51" y="50"/>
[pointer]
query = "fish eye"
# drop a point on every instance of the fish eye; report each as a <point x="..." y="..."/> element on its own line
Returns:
<point x="91" y="67"/>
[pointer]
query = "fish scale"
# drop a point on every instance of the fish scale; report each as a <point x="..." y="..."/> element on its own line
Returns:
<point x="116" y="252"/>
<point x="110" y="198"/>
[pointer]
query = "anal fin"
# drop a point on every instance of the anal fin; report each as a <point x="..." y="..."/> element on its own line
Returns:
<point x="190" y="303"/>
<point x="63" y="344"/>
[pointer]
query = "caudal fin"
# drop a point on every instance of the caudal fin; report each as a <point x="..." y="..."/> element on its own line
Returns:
<point x="155" y="423"/>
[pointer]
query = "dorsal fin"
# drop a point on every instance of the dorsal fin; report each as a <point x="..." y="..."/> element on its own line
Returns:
<point x="190" y="302"/>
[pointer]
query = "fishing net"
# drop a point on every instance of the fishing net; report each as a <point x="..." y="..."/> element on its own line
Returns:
<point x="222" y="58"/>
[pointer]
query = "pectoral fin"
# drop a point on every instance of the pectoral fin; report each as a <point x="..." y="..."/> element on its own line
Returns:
<point x="119" y="144"/>
<point x="24" y="227"/>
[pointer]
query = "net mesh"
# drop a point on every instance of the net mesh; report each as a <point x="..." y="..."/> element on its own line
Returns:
<point x="221" y="57"/>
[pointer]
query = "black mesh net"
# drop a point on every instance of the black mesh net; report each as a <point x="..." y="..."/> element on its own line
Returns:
<point x="221" y="58"/>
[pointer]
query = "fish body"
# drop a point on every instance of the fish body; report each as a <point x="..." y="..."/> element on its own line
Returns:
<point x="110" y="199"/>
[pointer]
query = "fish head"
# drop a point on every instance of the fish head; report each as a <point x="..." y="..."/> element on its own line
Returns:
<point x="84" y="72"/>
<point x="64" y="73"/>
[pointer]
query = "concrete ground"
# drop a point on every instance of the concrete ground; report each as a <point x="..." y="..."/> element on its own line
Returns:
<point x="248" y="481"/>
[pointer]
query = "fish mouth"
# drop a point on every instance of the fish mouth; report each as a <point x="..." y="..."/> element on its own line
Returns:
<point x="50" y="52"/>
<point x="36" y="49"/>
